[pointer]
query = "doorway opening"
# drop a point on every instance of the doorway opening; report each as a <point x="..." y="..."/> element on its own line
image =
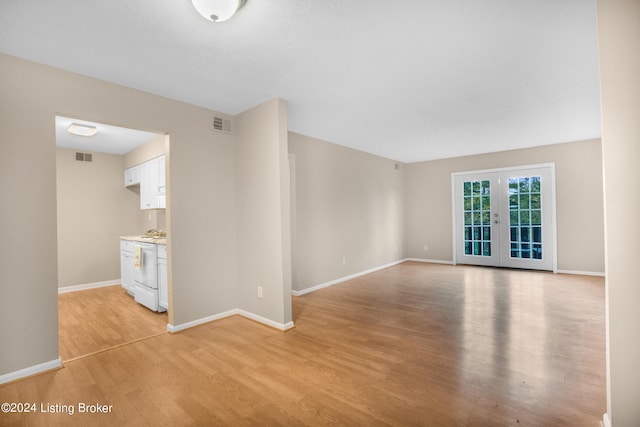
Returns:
<point x="95" y="207"/>
<point x="505" y="217"/>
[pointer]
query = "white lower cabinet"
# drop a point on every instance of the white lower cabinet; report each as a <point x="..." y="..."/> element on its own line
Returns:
<point x="126" y="265"/>
<point x="163" y="286"/>
<point x="153" y="292"/>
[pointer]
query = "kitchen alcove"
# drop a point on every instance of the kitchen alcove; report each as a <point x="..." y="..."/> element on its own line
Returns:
<point x="94" y="209"/>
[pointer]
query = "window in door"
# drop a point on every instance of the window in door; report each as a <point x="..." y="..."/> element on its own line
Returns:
<point x="477" y="218"/>
<point x="525" y="217"/>
<point x="505" y="217"/>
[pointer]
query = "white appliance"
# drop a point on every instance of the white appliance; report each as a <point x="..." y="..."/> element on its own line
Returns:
<point x="145" y="278"/>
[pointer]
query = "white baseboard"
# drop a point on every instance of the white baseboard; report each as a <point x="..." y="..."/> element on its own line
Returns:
<point x="187" y="325"/>
<point x="32" y="370"/>
<point x="344" y="279"/>
<point x="578" y="272"/>
<point x="248" y="315"/>
<point x="582" y="273"/>
<point x="606" y="421"/>
<point x="264" y="320"/>
<point x="430" y="261"/>
<point x="73" y="288"/>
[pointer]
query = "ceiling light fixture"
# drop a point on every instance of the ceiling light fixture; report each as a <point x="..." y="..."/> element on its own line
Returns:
<point x="218" y="10"/>
<point x="82" y="130"/>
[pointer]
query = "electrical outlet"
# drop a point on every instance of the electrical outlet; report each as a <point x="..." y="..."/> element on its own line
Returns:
<point x="259" y="291"/>
<point x="344" y="261"/>
<point x="426" y="248"/>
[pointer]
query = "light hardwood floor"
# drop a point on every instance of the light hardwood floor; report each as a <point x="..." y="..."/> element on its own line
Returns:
<point x="412" y="345"/>
<point x="98" y="319"/>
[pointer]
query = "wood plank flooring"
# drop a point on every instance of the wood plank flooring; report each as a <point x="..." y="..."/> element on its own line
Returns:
<point x="412" y="345"/>
<point x="102" y="318"/>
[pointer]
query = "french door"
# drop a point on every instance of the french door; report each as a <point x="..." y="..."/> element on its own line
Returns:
<point x="505" y="217"/>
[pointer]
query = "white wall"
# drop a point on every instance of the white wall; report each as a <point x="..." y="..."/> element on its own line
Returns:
<point x="619" y="34"/>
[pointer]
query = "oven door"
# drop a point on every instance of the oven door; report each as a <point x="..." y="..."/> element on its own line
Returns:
<point x="147" y="274"/>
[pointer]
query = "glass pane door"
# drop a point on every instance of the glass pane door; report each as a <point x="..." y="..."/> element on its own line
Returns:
<point x="525" y="218"/>
<point x="529" y="210"/>
<point x="504" y="218"/>
<point x="476" y="208"/>
<point x="477" y="217"/>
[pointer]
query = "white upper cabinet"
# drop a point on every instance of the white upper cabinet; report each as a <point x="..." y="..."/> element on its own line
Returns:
<point x="132" y="176"/>
<point x="152" y="184"/>
<point x="162" y="184"/>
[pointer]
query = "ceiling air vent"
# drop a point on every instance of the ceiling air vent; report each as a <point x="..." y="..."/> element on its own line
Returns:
<point x="84" y="157"/>
<point x="222" y="125"/>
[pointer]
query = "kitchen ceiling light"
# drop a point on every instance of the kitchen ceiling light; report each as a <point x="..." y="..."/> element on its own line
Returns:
<point x="82" y="130"/>
<point x="218" y="10"/>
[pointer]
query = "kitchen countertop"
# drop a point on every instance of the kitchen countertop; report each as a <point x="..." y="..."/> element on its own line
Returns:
<point x="145" y="239"/>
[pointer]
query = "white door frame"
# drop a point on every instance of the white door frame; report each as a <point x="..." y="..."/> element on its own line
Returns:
<point x="552" y="169"/>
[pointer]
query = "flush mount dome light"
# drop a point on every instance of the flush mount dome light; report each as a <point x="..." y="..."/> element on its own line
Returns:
<point x="218" y="10"/>
<point x="82" y="130"/>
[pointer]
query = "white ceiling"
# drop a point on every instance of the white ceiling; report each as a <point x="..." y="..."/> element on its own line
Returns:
<point x="408" y="80"/>
<point x="109" y="139"/>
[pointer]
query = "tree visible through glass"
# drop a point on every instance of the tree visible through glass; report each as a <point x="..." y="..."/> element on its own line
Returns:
<point x="525" y="217"/>
<point x="477" y="217"/>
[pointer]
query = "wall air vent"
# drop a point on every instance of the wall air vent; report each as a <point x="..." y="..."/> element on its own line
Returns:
<point x="84" y="157"/>
<point x="222" y="125"/>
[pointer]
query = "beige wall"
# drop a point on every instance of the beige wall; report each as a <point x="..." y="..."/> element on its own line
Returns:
<point x="349" y="206"/>
<point x="619" y="33"/>
<point x="94" y="208"/>
<point x="151" y="149"/>
<point x="578" y="194"/>
<point x="263" y="211"/>
<point x="202" y="227"/>
<point x="28" y="261"/>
